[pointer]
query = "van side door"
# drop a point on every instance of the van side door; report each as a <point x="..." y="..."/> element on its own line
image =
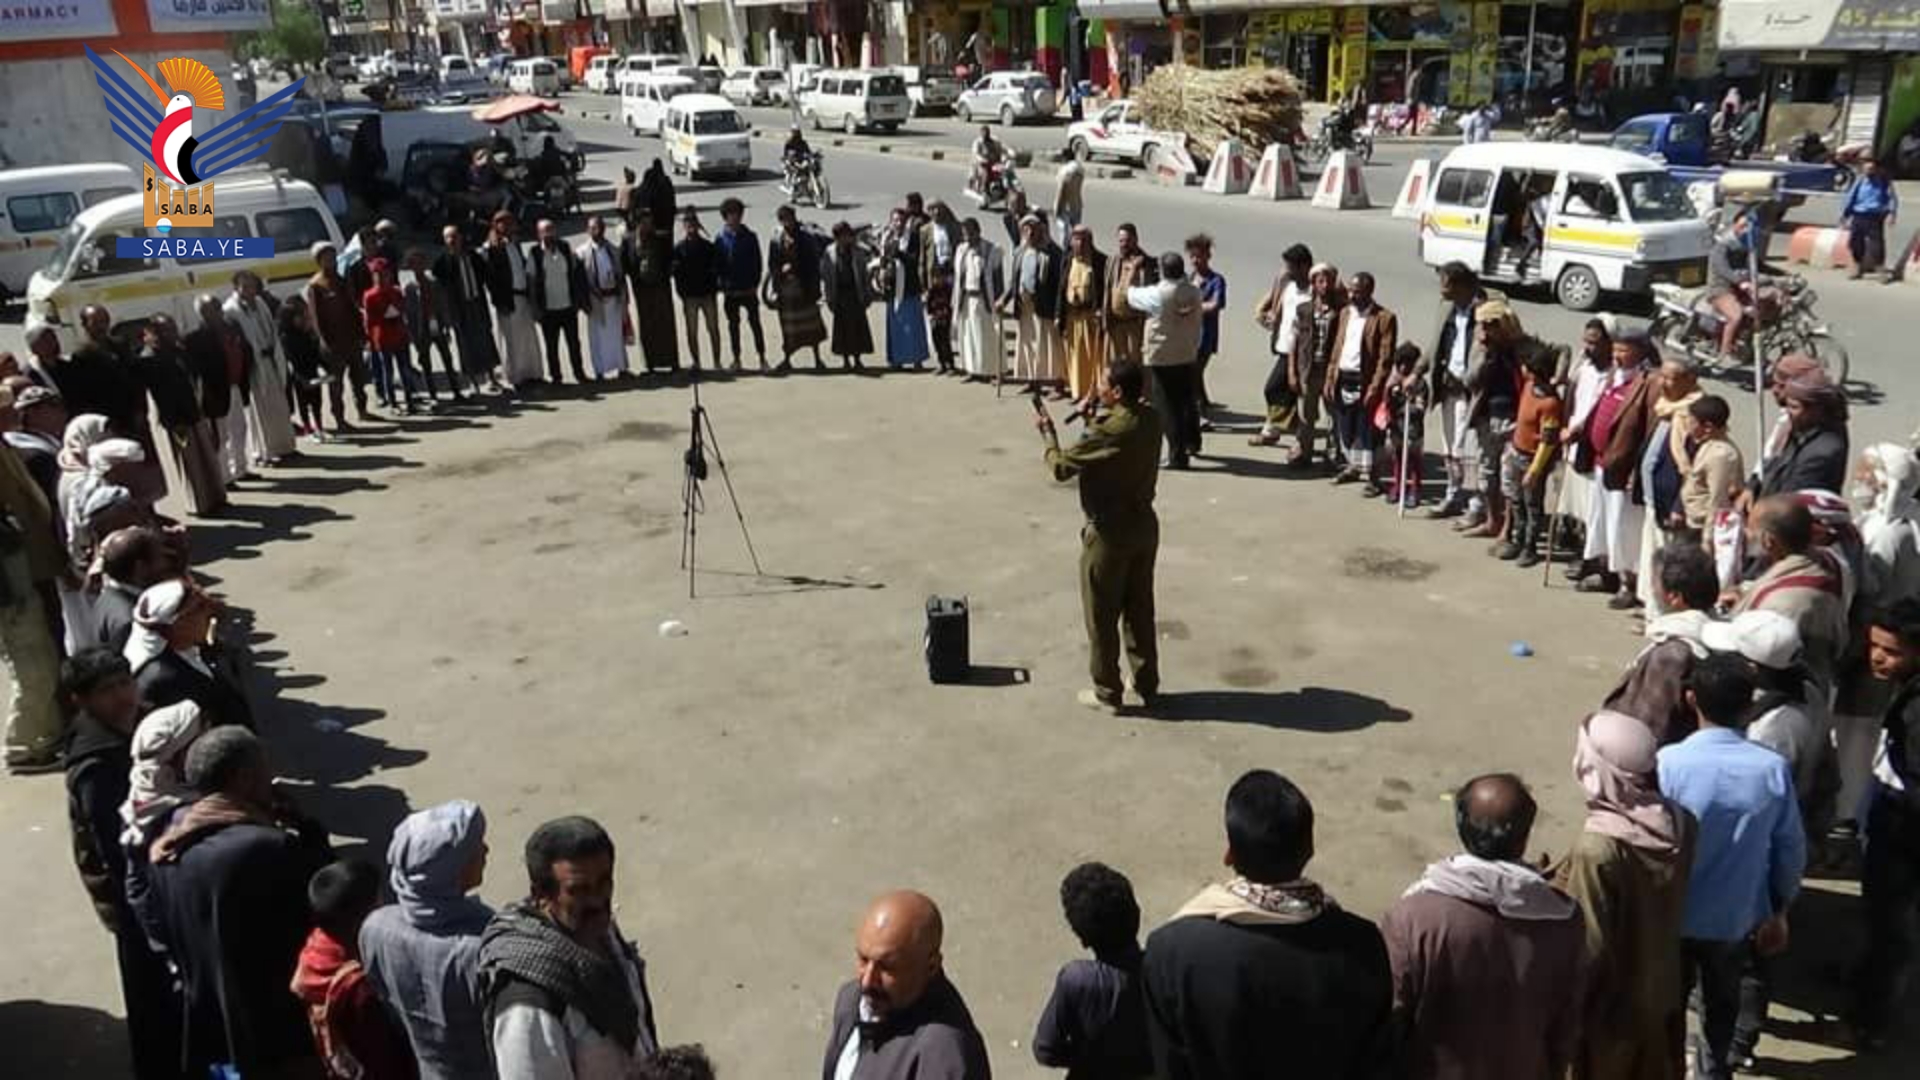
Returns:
<point x="1455" y="226"/>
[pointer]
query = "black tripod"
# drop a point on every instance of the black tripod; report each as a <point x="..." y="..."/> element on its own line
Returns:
<point x="693" y="502"/>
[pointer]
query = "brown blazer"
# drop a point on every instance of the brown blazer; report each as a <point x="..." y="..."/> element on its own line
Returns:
<point x="1116" y="266"/>
<point x="1620" y="464"/>
<point x="1380" y="334"/>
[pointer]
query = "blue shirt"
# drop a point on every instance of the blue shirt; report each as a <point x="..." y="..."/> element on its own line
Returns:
<point x="1213" y="290"/>
<point x="1751" y="850"/>
<point x="1870" y="198"/>
<point x="739" y="259"/>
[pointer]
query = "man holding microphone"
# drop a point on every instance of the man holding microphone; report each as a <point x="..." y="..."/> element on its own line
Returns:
<point x="1117" y="462"/>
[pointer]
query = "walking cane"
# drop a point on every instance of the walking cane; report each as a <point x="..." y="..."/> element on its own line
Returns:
<point x="1406" y="435"/>
<point x="1566" y="461"/>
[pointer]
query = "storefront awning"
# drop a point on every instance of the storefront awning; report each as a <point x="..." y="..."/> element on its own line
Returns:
<point x="1792" y="25"/>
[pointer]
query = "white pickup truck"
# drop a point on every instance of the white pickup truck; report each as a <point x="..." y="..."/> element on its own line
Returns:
<point x="1117" y="131"/>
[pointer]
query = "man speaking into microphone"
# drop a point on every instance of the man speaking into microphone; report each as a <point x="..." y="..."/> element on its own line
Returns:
<point x="1117" y="462"/>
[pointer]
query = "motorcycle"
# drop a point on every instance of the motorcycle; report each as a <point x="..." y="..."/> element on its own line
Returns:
<point x="993" y="189"/>
<point x="1335" y="133"/>
<point x="1685" y="322"/>
<point x="1553" y="129"/>
<point x="806" y="180"/>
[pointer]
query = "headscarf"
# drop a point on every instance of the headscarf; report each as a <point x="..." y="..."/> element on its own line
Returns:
<point x="82" y="432"/>
<point x="155" y="784"/>
<point x="107" y="453"/>
<point x="1614" y="761"/>
<point x="429" y="850"/>
<point x="153" y="613"/>
<point x="1897" y="473"/>
<point x="102" y="497"/>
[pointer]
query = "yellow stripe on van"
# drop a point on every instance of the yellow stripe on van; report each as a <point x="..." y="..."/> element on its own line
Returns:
<point x="282" y="269"/>
<point x="1606" y="238"/>
<point x="1463" y="222"/>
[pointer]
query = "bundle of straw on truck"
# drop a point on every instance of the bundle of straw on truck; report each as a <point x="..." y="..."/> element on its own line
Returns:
<point x="1258" y="106"/>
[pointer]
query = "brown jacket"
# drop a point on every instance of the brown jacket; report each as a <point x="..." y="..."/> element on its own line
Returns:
<point x="25" y="500"/>
<point x="1117" y="277"/>
<point x="1620" y="464"/>
<point x="1380" y="334"/>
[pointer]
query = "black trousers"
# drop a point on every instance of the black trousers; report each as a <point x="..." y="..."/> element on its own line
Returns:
<point x="1713" y="970"/>
<point x="1890" y="887"/>
<point x="734" y="304"/>
<point x="153" y="1008"/>
<point x="553" y="326"/>
<point x="1175" y="395"/>
<point x="424" y="347"/>
<point x="942" y="335"/>
<point x="1867" y="242"/>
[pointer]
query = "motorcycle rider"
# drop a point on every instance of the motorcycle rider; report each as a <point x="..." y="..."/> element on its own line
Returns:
<point x="795" y="155"/>
<point x="1729" y="286"/>
<point x="988" y="153"/>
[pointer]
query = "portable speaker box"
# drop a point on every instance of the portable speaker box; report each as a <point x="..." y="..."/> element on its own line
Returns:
<point x="946" y="641"/>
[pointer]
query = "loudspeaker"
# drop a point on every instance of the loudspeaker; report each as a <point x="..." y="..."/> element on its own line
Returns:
<point x="946" y="641"/>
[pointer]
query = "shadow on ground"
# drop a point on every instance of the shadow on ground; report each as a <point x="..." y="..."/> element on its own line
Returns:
<point x="1311" y="708"/>
<point x="48" y="1040"/>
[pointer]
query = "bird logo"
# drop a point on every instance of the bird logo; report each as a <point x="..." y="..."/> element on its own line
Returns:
<point x="194" y="85"/>
<point x="165" y="136"/>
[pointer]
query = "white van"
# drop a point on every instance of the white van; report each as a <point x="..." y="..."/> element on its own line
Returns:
<point x="85" y="269"/>
<point x="401" y="128"/>
<point x="705" y="134"/>
<point x="852" y="100"/>
<point x="36" y="204"/>
<point x="536" y="76"/>
<point x="1615" y="222"/>
<point x="644" y="97"/>
<point x="600" y="73"/>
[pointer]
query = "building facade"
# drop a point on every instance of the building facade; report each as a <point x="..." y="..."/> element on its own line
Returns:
<point x="55" y="114"/>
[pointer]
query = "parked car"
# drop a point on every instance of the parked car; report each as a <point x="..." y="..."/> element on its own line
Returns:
<point x="36" y="206"/>
<point x="931" y="89"/>
<point x="536" y="76"/>
<point x="755" y="86"/>
<point x="495" y="67"/>
<point x="1008" y="96"/>
<point x="708" y="79"/>
<point x="1681" y="142"/>
<point x="600" y="74"/>
<point x="455" y="67"/>
<point x="339" y="67"/>
<point x="561" y="71"/>
<point x="1117" y="131"/>
<point x="852" y="100"/>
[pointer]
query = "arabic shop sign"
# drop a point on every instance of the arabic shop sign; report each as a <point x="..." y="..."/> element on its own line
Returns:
<point x="1861" y="25"/>
<point x="190" y="15"/>
<point x="47" y="20"/>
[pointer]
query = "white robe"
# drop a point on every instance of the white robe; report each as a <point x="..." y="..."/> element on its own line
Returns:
<point x="520" y="355"/>
<point x="269" y="424"/>
<point x="606" y="340"/>
<point x="1614" y="529"/>
<point x="976" y="328"/>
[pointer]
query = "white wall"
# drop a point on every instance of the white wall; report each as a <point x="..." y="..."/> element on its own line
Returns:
<point x="56" y="115"/>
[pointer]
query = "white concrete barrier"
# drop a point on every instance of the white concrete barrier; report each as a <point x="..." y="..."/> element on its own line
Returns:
<point x="1277" y="177"/>
<point x="1171" y="165"/>
<point x="1228" y="174"/>
<point x="1341" y="187"/>
<point x="1413" y="190"/>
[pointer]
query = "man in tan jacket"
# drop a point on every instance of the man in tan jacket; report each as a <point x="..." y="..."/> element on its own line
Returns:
<point x="30" y="559"/>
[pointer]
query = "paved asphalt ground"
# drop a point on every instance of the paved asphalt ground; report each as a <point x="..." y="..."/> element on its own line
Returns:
<point x="468" y="605"/>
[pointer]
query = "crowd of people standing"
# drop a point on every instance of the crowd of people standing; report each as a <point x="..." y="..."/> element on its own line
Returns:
<point x="1771" y="721"/>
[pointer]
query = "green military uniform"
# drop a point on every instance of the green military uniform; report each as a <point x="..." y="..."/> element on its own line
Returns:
<point x="1117" y="463"/>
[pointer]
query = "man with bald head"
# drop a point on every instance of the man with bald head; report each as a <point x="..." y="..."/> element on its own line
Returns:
<point x="1485" y="926"/>
<point x="900" y="1018"/>
<point x="1800" y="580"/>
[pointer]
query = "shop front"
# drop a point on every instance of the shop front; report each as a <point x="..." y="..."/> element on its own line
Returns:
<point x="1844" y="71"/>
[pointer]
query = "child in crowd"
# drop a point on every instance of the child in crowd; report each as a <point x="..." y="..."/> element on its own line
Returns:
<point x="387" y="343"/>
<point x="1213" y="297"/>
<point x="1405" y="416"/>
<point x="1716" y="473"/>
<point x="676" y="1063"/>
<point x="1527" y="462"/>
<point x="352" y="1032"/>
<point x="1094" y="1025"/>
<point x="307" y="372"/>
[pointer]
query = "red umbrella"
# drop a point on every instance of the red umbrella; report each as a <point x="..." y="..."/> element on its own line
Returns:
<point x="504" y="109"/>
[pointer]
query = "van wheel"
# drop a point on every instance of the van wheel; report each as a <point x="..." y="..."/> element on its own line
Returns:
<point x="848" y="124"/>
<point x="1578" y="289"/>
<point x="815" y="118"/>
<point x="1079" y="149"/>
<point x="965" y="114"/>
<point x="1006" y="116"/>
